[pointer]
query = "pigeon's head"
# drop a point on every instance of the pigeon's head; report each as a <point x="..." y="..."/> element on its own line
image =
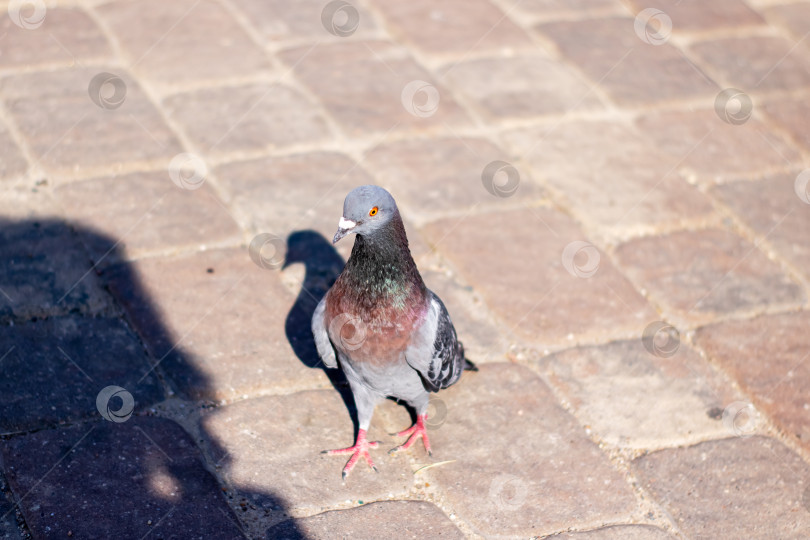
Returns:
<point x="365" y="210"/>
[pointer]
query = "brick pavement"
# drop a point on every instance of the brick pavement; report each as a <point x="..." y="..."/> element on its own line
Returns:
<point x="171" y="174"/>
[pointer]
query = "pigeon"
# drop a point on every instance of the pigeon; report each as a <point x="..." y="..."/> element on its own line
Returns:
<point x="390" y="334"/>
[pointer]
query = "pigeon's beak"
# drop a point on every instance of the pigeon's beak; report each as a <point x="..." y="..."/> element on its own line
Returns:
<point x="345" y="226"/>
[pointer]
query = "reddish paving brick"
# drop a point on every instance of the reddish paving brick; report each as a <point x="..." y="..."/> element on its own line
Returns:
<point x="794" y="17"/>
<point x="219" y="327"/>
<point x="66" y="36"/>
<point x="68" y="133"/>
<point x="514" y="446"/>
<point x="45" y="272"/>
<point x="394" y="519"/>
<point x="691" y="15"/>
<point x="455" y="27"/>
<point x="732" y="488"/>
<point x="757" y="62"/>
<point x="182" y="41"/>
<point x="143" y="212"/>
<point x="54" y="369"/>
<point x="520" y="87"/>
<point x="643" y="192"/>
<point x="453" y="168"/>
<point x="565" y="8"/>
<point x="362" y="85"/>
<point x="617" y="532"/>
<point x="705" y="148"/>
<point x="630" y="71"/>
<point x="247" y="118"/>
<point x="12" y="161"/>
<point x="278" y="23"/>
<point x="526" y="283"/>
<point x="770" y="359"/>
<point x="634" y="399"/>
<point x="304" y="191"/>
<point x="134" y="479"/>
<point x="781" y="217"/>
<point x="274" y="444"/>
<point x="789" y="114"/>
<point x="697" y="276"/>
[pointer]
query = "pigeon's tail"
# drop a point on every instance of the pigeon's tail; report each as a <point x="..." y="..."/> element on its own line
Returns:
<point x="468" y="366"/>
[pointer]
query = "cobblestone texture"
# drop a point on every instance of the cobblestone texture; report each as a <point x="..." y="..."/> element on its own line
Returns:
<point x="632" y="281"/>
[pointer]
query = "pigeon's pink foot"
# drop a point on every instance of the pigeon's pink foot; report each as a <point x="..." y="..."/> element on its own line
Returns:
<point x="360" y="449"/>
<point x="415" y="431"/>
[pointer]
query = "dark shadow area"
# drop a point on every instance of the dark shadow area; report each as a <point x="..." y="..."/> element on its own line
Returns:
<point x="66" y="334"/>
<point x="323" y="264"/>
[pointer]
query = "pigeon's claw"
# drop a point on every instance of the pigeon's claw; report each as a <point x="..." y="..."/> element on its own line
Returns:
<point x="413" y="433"/>
<point x="360" y="449"/>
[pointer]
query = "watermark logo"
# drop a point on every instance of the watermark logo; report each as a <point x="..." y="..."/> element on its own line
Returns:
<point x="494" y="182"/>
<point x="420" y="98"/>
<point x="572" y="259"/>
<point x="105" y="402"/>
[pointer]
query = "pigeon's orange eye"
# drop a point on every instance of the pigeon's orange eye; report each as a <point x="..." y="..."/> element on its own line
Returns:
<point x="373" y="211"/>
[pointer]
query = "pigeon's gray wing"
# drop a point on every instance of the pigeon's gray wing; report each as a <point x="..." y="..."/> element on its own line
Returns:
<point x="325" y="349"/>
<point x="434" y="350"/>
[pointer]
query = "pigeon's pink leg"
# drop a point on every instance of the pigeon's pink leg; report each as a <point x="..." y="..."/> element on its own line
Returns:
<point x="360" y="448"/>
<point x="415" y="431"/>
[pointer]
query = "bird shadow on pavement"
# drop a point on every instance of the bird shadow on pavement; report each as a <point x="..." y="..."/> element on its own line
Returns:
<point x="75" y="318"/>
<point x="323" y="264"/>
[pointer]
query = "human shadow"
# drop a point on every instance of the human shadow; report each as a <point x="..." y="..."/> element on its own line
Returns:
<point x="323" y="264"/>
<point x="75" y="318"/>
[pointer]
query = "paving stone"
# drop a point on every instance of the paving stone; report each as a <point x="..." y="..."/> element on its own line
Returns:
<point x="247" y="118"/>
<point x="756" y="62"/>
<point x="705" y="148"/>
<point x="12" y="161"/>
<point x="697" y="276"/>
<point x="643" y="193"/>
<point x="514" y="447"/>
<point x="525" y="281"/>
<point x="617" y="532"/>
<point x="779" y="377"/>
<point x="362" y="84"/>
<point x="788" y="115"/>
<point x="8" y="519"/>
<point x="143" y="212"/>
<point x="635" y="399"/>
<point x="394" y="519"/>
<point x="272" y="444"/>
<point x="219" y="328"/>
<point x="69" y="133"/>
<point x="520" y="87"/>
<point x="54" y="369"/>
<point x="452" y="26"/>
<point x="432" y="177"/>
<point x="45" y="272"/>
<point x="691" y="15"/>
<point x="66" y="36"/>
<point x="631" y="71"/>
<point x="183" y="41"/>
<point x="277" y="22"/>
<point x="733" y="488"/>
<point x="305" y="191"/>
<point x="137" y="478"/>
<point x="794" y="17"/>
<point x="782" y="218"/>
<point x="565" y="8"/>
